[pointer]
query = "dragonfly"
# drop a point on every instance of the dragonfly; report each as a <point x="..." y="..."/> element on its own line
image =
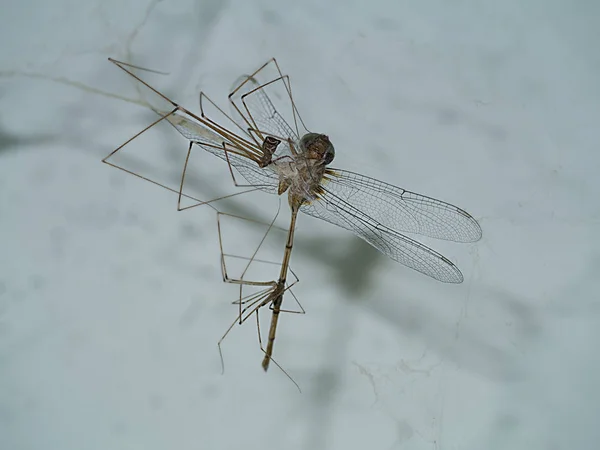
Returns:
<point x="273" y="151"/>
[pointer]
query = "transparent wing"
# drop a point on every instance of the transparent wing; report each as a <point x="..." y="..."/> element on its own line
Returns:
<point x="264" y="179"/>
<point x="257" y="110"/>
<point x="402" y="210"/>
<point x="238" y="154"/>
<point x="334" y="209"/>
<point x="253" y="109"/>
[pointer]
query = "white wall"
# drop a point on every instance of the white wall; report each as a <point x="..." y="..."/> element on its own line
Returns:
<point x="111" y="301"/>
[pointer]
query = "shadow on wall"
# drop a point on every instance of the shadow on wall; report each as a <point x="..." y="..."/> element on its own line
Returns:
<point x="12" y="142"/>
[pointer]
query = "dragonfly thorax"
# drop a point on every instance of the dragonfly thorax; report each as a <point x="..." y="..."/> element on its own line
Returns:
<point x="300" y="174"/>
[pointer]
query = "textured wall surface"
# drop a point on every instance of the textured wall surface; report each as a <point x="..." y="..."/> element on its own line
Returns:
<point x="111" y="301"/>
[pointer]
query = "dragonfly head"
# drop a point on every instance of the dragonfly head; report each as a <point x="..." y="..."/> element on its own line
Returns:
<point x="317" y="146"/>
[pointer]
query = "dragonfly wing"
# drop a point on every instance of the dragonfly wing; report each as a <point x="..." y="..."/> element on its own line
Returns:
<point x="402" y="210"/>
<point x="266" y="179"/>
<point x="260" y="109"/>
<point x="334" y="209"/>
<point x="253" y="110"/>
<point x="193" y="130"/>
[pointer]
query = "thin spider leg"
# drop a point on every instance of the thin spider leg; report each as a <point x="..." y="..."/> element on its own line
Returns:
<point x="235" y="139"/>
<point x="253" y="302"/>
<point x="256" y="251"/>
<point x="139" y="133"/>
<point x="174" y="118"/>
<point x="201" y="203"/>
<point x="268" y="156"/>
<point x="133" y="66"/>
<point x="296" y="114"/>
<point x="229" y="165"/>
<point x="249" y="77"/>
<point x="241" y="281"/>
<point x="180" y="193"/>
<point x="249" y="298"/>
<point x="262" y="117"/>
<point x="257" y="222"/>
<point x="302" y="311"/>
<point x="121" y="65"/>
<point x="287" y="84"/>
<point x="277" y="136"/>
<point x="194" y="125"/>
<point x="270" y="357"/>
<point x="260" y="300"/>
<point x="265" y="180"/>
<point x="207" y="133"/>
<point x="116" y="166"/>
<point x="218" y="108"/>
<point x="292" y="311"/>
<point x="253" y="124"/>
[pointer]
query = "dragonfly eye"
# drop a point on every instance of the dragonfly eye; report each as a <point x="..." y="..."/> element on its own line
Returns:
<point x="317" y="146"/>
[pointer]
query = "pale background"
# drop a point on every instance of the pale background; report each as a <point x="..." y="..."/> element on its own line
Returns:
<point x="111" y="302"/>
